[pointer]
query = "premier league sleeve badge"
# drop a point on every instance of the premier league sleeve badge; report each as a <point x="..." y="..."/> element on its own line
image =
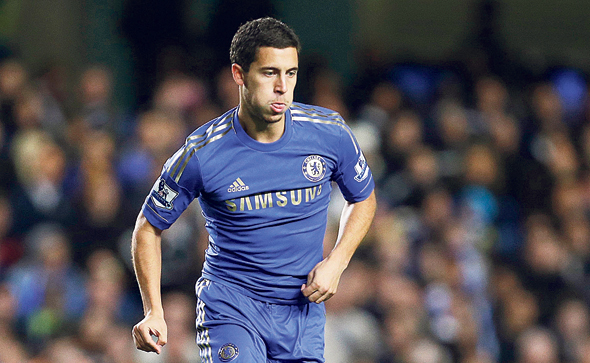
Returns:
<point x="162" y="195"/>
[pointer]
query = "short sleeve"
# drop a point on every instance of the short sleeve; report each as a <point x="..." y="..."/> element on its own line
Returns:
<point x="179" y="183"/>
<point x="353" y="176"/>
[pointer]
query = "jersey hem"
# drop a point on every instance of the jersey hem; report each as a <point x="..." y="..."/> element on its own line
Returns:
<point x="154" y="218"/>
<point x="302" y="300"/>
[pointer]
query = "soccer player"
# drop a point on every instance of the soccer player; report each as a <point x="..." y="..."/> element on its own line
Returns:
<point x="262" y="173"/>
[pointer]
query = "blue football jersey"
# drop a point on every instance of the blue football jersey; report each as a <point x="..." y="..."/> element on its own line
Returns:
<point x="265" y="204"/>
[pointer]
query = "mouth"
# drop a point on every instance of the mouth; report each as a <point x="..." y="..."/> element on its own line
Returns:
<point x="278" y="107"/>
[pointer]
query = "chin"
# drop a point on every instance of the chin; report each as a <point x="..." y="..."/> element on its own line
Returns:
<point x="274" y="120"/>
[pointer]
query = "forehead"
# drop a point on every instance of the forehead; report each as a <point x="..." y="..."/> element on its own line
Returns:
<point x="276" y="57"/>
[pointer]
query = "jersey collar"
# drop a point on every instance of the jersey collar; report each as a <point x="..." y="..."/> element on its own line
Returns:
<point x="261" y="146"/>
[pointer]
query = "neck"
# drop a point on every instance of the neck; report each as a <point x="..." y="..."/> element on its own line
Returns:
<point x="259" y="129"/>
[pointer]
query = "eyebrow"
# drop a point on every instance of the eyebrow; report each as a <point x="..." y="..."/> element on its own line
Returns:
<point x="270" y="68"/>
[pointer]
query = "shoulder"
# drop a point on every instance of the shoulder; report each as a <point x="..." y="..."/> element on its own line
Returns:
<point x="210" y="131"/>
<point x="304" y="112"/>
<point x="185" y="160"/>
<point x="319" y="119"/>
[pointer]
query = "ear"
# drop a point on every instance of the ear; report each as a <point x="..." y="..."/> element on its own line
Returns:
<point x="238" y="73"/>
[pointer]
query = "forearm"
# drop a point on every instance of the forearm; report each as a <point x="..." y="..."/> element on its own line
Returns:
<point x="147" y="263"/>
<point x="322" y="281"/>
<point x="355" y="221"/>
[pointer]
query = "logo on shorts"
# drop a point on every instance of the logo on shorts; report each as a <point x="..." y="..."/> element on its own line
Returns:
<point x="314" y="168"/>
<point x="228" y="352"/>
<point x="163" y="195"/>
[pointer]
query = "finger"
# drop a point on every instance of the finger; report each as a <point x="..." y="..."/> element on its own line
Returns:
<point x="143" y="340"/>
<point x="314" y="296"/>
<point x="137" y="337"/>
<point x="310" y="278"/>
<point x="308" y="289"/>
<point x="142" y="344"/>
<point x="155" y="341"/>
<point x="160" y="338"/>
<point x="324" y="297"/>
<point x="308" y="292"/>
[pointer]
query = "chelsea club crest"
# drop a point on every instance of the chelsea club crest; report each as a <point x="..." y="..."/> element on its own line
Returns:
<point x="314" y="168"/>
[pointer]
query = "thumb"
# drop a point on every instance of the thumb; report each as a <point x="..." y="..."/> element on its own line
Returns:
<point x="158" y="337"/>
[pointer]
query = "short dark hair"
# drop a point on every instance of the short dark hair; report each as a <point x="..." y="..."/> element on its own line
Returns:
<point x="263" y="32"/>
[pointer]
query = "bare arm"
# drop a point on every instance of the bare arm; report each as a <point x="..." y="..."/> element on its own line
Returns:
<point x="147" y="262"/>
<point x="322" y="281"/>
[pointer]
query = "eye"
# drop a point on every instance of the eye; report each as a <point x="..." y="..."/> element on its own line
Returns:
<point x="292" y="73"/>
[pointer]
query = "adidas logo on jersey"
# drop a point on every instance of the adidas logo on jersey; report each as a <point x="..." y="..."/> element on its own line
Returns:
<point x="238" y="186"/>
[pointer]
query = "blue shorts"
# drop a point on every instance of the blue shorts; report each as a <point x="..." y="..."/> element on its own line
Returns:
<point x="235" y="328"/>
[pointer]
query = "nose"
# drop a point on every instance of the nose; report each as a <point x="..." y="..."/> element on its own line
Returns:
<point x="281" y="85"/>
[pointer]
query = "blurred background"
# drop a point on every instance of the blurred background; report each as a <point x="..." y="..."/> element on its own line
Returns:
<point x="474" y="116"/>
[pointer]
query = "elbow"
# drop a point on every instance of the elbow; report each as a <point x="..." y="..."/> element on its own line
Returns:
<point x="366" y="207"/>
<point x="372" y="201"/>
<point x="142" y="225"/>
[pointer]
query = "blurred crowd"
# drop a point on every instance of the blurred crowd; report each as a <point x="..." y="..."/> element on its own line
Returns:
<point x="479" y="252"/>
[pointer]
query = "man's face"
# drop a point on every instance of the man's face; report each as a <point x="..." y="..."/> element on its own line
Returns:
<point x="268" y="86"/>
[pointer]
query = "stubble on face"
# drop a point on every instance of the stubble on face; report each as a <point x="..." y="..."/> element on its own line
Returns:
<point x="269" y="84"/>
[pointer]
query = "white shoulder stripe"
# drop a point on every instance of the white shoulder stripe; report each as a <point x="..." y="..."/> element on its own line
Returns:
<point x="328" y="122"/>
<point x="308" y="111"/>
<point x="193" y="143"/>
<point x="192" y="152"/>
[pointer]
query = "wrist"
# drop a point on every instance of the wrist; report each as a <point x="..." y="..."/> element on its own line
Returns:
<point x="155" y="312"/>
<point x="339" y="258"/>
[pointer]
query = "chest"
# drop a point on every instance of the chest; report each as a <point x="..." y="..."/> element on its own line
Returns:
<point x="239" y="172"/>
